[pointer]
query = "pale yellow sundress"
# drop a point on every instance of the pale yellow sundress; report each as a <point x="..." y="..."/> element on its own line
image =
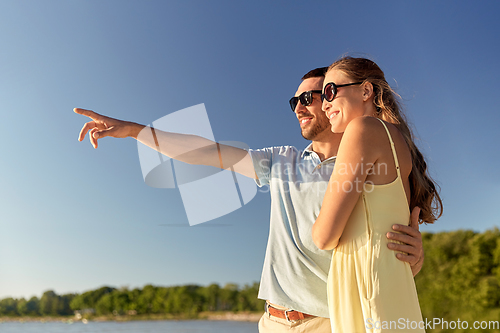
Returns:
<point x="369" y="289"/>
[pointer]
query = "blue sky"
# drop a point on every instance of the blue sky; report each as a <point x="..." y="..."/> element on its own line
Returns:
<point x="74" y="218"/>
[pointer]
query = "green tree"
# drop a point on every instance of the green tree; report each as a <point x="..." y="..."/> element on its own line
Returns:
<point x="211" y="294"/>
<point x="135" y="298"/>
<point x="229" y="297"/>
<point x="33" y="306"/>
<point x="49" y="303"/>
<point x="121" y="301"/>
<point x="64" y="308"/>
<point x="22" y="307"/>
<point x="248" y="298"/>
<point x="104" y="305"/>
<point x="184" y="300"/>
<point x="145" y="299"/>
<point x="459" y="278"/>
<point x="160" y="300"/>
<point x="8" y="307"/>
<point x="89" y="299"/>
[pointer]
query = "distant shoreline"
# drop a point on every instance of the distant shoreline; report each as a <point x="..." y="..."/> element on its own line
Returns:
<point x="215" y="316"/>
<point x="243" y="316"/>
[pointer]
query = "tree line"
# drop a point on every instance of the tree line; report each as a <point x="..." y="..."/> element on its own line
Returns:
<point x="460" y="279"/>
<point x="187" y="300"/>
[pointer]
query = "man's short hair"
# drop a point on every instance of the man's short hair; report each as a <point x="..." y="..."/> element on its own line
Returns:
<point x="318" y="72"/>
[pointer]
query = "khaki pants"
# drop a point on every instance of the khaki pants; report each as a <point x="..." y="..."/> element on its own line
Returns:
<point x="270" y="324"/>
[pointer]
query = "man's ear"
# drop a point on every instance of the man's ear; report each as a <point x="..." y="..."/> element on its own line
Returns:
<point x="367" y="91"/>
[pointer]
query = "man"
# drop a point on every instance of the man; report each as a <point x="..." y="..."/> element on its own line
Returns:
<point x="295" y="270"/>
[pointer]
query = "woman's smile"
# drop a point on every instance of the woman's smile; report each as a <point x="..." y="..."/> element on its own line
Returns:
<point x="331" y="114"/>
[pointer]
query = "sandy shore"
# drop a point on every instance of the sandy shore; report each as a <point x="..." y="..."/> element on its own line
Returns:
<point x="245" y="316"/>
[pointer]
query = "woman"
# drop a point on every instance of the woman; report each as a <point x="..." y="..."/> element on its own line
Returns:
<point x="379" y="176"/>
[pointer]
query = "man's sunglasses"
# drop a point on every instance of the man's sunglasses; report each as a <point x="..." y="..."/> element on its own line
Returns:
<point x="306" y="98"/>
<point x="330" y="90"/>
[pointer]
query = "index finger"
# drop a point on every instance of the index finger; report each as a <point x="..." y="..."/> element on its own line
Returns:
<point x="414" y="218"/>
<point x="89" y="113"/>
<point x="405" y="229"/>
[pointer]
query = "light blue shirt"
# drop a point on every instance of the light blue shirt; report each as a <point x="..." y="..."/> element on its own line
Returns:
<point x="295" y="271"/>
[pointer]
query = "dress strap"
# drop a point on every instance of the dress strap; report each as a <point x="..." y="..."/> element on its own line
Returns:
<point x="393" y="148"/>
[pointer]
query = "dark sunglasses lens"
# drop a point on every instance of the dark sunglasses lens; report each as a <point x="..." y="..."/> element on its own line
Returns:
<point x="306" y="98"/>
<point x="293" y="103"/>
<point x="329" y="92"/>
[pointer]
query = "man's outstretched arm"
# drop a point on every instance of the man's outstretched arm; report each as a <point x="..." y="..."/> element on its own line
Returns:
<point x="412" y="242"/>
<point x="187" y="148"/>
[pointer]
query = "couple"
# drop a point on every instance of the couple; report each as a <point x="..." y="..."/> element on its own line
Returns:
<point x="363" y="128"/>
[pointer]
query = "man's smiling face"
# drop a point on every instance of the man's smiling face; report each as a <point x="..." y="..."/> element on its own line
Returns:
<point x="313" y="121"/>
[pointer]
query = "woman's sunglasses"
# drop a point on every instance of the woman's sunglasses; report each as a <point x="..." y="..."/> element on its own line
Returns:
<point x="330" y="90"/>
<point x="306" y="98"/>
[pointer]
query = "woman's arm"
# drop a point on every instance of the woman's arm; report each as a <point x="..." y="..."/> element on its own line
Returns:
<point x="358" y="152"/>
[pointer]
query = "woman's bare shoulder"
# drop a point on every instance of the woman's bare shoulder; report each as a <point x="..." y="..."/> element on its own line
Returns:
<point x="364" y="135"/>
<point x="403" y="152"/>
<point x="368" y="130"/>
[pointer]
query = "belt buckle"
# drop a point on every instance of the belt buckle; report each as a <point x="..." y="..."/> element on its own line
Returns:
<point x="286" y="315"/>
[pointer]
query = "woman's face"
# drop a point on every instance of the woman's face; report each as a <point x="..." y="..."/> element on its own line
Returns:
<point x="348" y="103"/>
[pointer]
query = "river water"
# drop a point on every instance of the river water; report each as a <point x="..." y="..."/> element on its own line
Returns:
<point x="185" y="326"/>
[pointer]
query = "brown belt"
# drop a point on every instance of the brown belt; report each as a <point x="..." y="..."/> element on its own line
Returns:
<point x="289" y="315"/>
